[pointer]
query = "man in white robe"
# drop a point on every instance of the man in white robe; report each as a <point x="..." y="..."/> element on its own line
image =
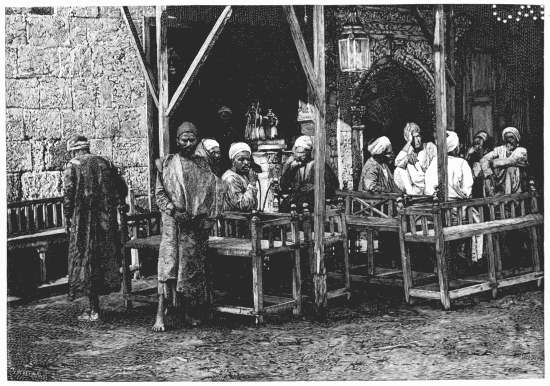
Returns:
<point x="413" y="160"/>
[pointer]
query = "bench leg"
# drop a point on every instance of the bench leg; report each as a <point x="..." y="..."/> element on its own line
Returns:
<point x="126" y="279"/>
<point x="370" y="252"/>
<point x="535" y="248"/>
<point x="442" y="273"/>
<point x="297" y="284"/>
<point x="498" y="256"/>
<point x="492" y="265"/>
<point x="257" y="287"/>
<point x="42" y="255"/>
<point x="406" y="268"/>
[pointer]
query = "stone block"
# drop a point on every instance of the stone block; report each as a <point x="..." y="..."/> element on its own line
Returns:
<point x="37" y="154"/>
<point x="133" y="123"/>
<point x="15" y="127"/>
<point x="48" y="31"/>
<point x="84" y="93"/>
<point x="36" y="185"/>
<point x="114" y="61"/>
<point x="18" y="156"/>
<point x="107" y="32"/>
<point x="87" y="12"/>
<point x="102" y="147"/>
<point x="129" y="152"/>
<point x="77" y="122"/>
<point x="42" y="124"/>
<point x="137" y="179"/>
<point x="104" y="93"/>
<point x="55" y="93"/>
<point x="75" y="61"/>
<point x="35" y="61"/>
<point x="22" y="93"/>
<point x="106" y="123"/>
<point x="78" y="30"/>
<point x="109" y="12"/>
<point x="129" y="90"/>
<point x="16" y="30"/>
<point x="13" y="187"/>
<point x="11" y="62"/>
<point x="56" y="155"/>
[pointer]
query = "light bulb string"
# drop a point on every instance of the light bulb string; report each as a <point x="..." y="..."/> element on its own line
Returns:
<point x="518" y="13"/>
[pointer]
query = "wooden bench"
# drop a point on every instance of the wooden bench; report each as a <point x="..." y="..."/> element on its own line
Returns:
<point x="240" y="235"/>
<point x="36" y="224"/>
<point x="441" y="222"/>
<point x="373" y="213"/>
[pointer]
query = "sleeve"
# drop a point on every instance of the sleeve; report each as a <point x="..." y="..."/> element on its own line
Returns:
<point x="69" y="190"/>
<point x="467" y="179"/>
<point x="239" y="200"/>
<point x="369" y="180"/>
<point x="517" y="158"/>
<point x="287" y="174"/>
<point x="484" y="162"/>
<point x="430" y="179"/>
<point x="120" y="186"/>
<point x="163" y="201"/>
<point x="402" y="158"/>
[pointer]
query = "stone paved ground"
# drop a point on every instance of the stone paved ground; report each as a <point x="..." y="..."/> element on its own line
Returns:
<point x="376" y="337"/>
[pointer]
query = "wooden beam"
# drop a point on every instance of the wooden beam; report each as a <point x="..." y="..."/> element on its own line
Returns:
<point x="320" y="276"/>
<point x="450" y="69"/>
<point x="199" y="60"/>
<point x="162" y="69"/>
<point x="440" y="101"/>
<point x="303" y="54"/>
<point x="147" y="73"/>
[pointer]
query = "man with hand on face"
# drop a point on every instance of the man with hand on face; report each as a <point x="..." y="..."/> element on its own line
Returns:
<point x="376" y="176"/>
<point x="505" y="166"/>
<point x="241" y="180"/>
<point x="474" y="154"/>
<point x="189" y="196"/>
<point x="298" y="175"/>
<point x="413" y="161"/>
<point x="208" y="151"/>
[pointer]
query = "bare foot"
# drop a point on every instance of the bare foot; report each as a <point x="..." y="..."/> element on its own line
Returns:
<point x="159" y="325"/>
<point x="84" y="317"/>
<point x="94" y="316"/>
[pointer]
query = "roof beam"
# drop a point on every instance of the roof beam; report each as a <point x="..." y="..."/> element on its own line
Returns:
<point x="303" y="54"/>
<point x="145" y="68"/>
<point x="199" y="60"/>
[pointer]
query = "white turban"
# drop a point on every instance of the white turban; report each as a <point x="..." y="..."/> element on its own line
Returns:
<point x="237" y="147"/>
<point x="511" y="130"/>
<point x="304" y="141"/>
<point x="452" y="141"/>
<point x="209" y="144"/>
<point x="78" y="142"/>
<point x="380" y="145"/>
<point x="409" y="129"/>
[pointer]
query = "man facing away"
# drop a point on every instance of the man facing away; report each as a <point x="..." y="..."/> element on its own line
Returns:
<point x="413" y="160"/>
<point x="93" y="190"/>
<point x="189" y="196"/>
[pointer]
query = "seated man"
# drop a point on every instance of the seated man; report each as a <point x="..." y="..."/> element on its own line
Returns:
<point x="298" y="175"/>
<point x="505" y="166"/>
<point x="413" y="160"/>
<point x="241" y="180"/>
<point x="376" y="176"/>
<point x="208" y="152"/>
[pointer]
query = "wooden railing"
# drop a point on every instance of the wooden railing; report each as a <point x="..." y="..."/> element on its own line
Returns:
<point x="33" y="216"/>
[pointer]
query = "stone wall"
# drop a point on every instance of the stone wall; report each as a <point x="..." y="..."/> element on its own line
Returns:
<point x="72" y="70"/>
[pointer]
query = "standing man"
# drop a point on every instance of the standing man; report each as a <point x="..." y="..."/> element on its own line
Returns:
<point x="505" y="166"/>
<point x="93" y="190"/>
<point x="478" y="149"/>
<point x="376" y="176"/>
<point x="413" y="161"/>
<point x="226" y="133"/>
<point x="241" y="180"/>
<point x="298" y="175"/>
<point x="188" y="196"/>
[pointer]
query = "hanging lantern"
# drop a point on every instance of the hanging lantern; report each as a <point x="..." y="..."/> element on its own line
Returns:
<point x="354" y="46"/>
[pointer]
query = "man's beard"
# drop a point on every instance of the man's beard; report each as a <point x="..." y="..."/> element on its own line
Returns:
<point x="187" y="151"/>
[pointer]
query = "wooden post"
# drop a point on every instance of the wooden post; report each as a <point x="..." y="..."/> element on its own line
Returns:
<point x="450" y="70"/>
<point x="162" y="69"/>
<point x="320" y="277"/>
<point x="152" y="109"/>
<point x="440" y="101"/>
<point x="257" y="267"/>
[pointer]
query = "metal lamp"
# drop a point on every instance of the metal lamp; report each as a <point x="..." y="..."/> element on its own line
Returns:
<point x="354" y="46"/>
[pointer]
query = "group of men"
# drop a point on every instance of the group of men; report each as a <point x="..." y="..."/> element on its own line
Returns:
<point x="482" y="172"/>
<point x="191" y="192"/>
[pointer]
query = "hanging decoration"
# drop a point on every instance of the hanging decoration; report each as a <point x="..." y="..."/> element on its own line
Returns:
<point x="515" y="13"/>
<point x="354" y="46"/>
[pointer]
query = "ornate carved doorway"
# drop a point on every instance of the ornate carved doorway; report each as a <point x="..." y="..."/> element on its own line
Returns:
<point x="391" y="97"/>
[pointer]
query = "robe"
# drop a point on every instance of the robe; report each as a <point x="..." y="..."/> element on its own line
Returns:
<point x="93" y="189"/>
<point x="204" y="159"/>
<point x="411" y="178"/>
<point x="184" y="185"/>
<point x="508" y="168"/>
<point x="241" y="195"/>
<point x="377" y="178"/>
<point x="299" y="181"/>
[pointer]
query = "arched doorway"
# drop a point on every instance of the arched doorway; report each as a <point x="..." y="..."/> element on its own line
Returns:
<point x="391" y="97"/>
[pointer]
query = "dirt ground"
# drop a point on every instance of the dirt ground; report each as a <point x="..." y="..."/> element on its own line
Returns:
<point x="374" y="337"/>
